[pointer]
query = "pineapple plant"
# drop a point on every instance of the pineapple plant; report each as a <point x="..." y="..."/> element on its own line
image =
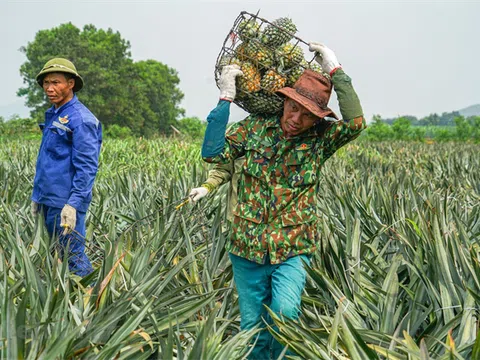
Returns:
<point x="279" y="33"/>
<point x="273" y="80"/>
<point x="159" y="258"/>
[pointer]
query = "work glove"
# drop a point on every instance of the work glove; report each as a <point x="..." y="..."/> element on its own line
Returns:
<point x="198" y="193"/>
<point x="34" y="208"/>
<point x="226" y="83"/>
<point x="68" y="219"/>
<point x="325" y="57"/>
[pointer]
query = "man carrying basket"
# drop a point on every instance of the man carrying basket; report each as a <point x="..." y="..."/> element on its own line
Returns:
<point x="274" y="228"/>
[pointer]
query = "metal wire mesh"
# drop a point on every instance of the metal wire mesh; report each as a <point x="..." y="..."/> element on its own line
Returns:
<point x="261" y="100"/>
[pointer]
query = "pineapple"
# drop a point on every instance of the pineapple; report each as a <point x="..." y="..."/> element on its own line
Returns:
<point x="227" y="60"/>
<point x="273" y="81"/>
<point x="259" y="54"/>
<point x="263" y="103"/>
<point x="248" y="29"/>
<point x="241" y="51"/>
<point x="283" y="32"/>
<point x="250" y="81"/>
<point x="294" y="74"/>
<point x="290" y="54"/>
<point x="317" y="68"/>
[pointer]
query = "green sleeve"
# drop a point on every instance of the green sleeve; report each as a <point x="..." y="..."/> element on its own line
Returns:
<point x="348" y="101"/>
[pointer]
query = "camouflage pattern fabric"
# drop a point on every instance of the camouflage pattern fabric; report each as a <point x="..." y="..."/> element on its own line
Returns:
<point x="276" y="214"/>
<point x="222" y="174"/>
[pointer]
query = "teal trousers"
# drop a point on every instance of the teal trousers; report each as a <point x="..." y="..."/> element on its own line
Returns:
<point x="277" y="286"/>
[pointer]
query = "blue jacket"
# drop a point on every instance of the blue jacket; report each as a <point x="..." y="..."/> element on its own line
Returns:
<point x="68" y="157"/>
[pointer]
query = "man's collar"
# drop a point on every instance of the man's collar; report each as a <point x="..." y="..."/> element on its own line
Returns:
<point x="64" y="106"/>
<point x="313" y="131"/>
<point x="272" y="121"/>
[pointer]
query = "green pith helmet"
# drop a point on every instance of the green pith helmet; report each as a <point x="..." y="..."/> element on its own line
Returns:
<point x="60" y="65"/>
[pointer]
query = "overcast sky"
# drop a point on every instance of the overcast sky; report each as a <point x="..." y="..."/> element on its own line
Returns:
<point x="405" y="57"/>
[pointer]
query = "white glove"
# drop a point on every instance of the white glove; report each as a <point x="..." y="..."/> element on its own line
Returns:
<point x="68" y="219"/>
<point x="226" y="83"/>
<point x="198" y="193"/>
<point x="324" y="56"/>
<point x="34" y="208"/>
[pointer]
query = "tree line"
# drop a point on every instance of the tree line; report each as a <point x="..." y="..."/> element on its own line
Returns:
<point x="444" y="119"/>
<point x="402" y="128"/>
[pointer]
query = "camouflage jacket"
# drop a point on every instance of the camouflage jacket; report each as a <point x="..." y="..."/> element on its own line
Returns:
<point x="277" y="186"/>
<point x="222" y="174"/>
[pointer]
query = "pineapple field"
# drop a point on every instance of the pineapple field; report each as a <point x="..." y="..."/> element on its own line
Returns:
<point x="396" y="274"/>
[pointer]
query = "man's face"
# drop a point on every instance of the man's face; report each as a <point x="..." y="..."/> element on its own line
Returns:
<point x="296" y="118"/>
<point x="58" y="88"/>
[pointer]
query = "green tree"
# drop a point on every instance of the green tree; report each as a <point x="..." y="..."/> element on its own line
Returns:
<point x="475" y="123"/>
<point x="463" y="129"/>
<point x="192" y="126"/>
<point x="402" y="128"/>
<point x="444" y="134"/>
<point x="116" y="131"/>
<point x="114" y="88"/>
<point x="432" y="120"/>
<point x="378" y="130"/>
<point x="17" y="127"/>
<point x="156" y="85"/>
<point x="418" y="133"/>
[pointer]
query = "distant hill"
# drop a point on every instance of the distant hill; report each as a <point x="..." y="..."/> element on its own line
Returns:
<point x="473" y="110"/>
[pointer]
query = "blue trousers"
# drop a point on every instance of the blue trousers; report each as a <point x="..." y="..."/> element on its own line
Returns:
<point x="78" y="262"/>
<point x="277" y="286"/>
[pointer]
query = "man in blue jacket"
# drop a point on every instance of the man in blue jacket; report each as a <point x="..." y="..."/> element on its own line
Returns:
<point x="67" y="161"/>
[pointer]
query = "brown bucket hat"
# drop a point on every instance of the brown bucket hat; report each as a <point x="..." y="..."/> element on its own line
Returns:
<point x="312" y="90"/>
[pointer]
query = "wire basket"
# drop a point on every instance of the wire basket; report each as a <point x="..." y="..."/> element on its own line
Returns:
<point x="270" y="56"/>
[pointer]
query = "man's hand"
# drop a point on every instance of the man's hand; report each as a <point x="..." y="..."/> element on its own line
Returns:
<point x="198" y="193"/>
<point x="325" y="57"/>
<point x="226" y="83"/>
<point x="68" y="219"/>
